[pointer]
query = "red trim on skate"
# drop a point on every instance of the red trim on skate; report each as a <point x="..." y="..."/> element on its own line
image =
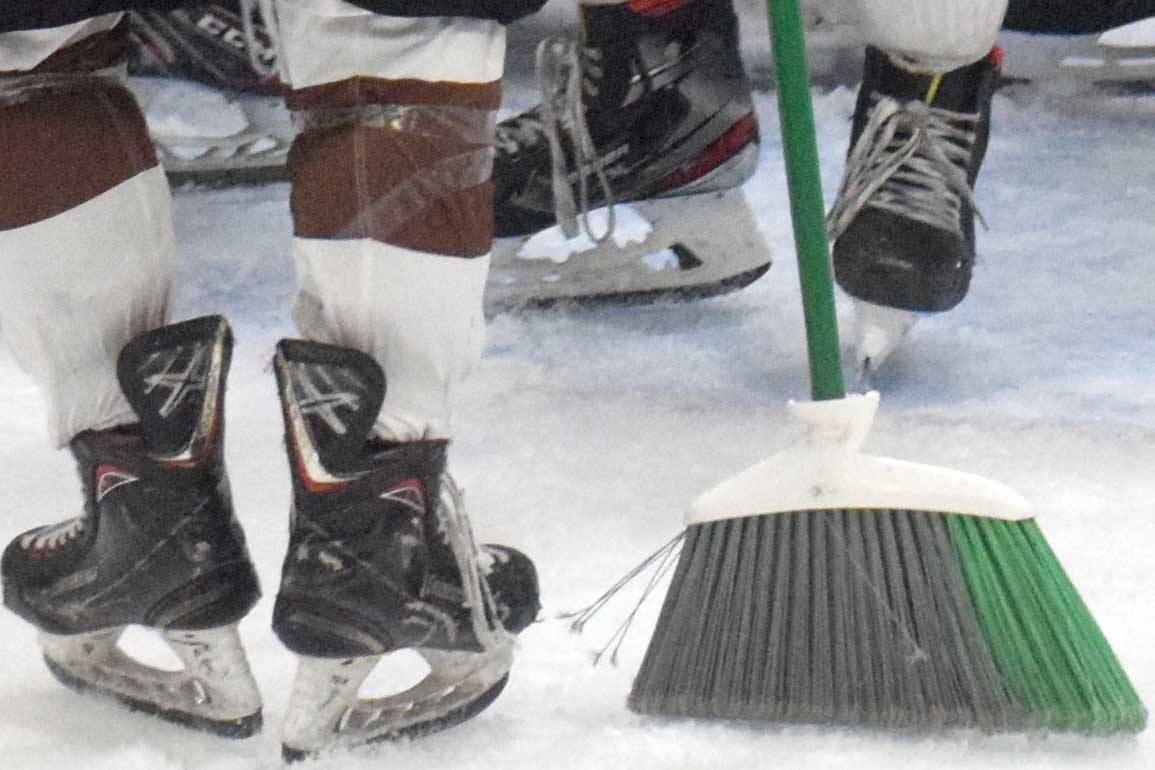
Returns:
<point x="407" y="492"/>
<point x="310" y="484"/>
<point x="106" y="478"/>
<point x="995" y="57"/>
<point x="743" y="132"/>
<point x="655" y="7"/>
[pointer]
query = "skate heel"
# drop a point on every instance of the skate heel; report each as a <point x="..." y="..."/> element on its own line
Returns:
<point x="220" y="598"/>
<point x="214" y="691"/>
<point x="680" y="247"/>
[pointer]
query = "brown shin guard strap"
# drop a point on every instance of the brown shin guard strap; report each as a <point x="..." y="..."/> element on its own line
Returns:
<point x="65" y="139"/>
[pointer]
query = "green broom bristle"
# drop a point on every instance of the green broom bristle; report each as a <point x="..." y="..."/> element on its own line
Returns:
<point x="895" y="619"/>
<point x="1052" y="654"/>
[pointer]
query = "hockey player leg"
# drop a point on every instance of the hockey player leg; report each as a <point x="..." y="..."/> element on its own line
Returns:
<point x="85" y="258"/>
<point x="393" y="224"/>
<point x="903" y="219"/>
<point x="625" y="182"/>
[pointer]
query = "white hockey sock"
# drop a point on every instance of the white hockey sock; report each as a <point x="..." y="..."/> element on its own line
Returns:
<point x="418" y="314"/>
<point x="86" y="240"/>
<point x="76" y="287"/>
<point x="932" y="35"/>
<point x="392" y="203"/>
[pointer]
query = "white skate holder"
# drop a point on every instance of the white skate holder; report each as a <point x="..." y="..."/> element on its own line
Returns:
<point x="878" y="331"/>
<point x="214" y="691"/>
<point x="682" y="244"/>
<point x="325" y="711"/>
<point x="1123" y="54"/>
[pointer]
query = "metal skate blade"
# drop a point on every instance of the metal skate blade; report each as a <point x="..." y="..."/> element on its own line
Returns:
<point x="1124" y="54"/>
<point x="879" y="330"/>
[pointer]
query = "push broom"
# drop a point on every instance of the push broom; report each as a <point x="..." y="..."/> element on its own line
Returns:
<point x="829" y="586"/>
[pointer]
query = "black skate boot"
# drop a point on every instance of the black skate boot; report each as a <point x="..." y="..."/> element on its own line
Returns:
<point x="156" y="546"/>
<point x="211" y="94"/>
<point x="652" y="107"/>
<point x="381" y="558"/>
<point x="903" y="221"/>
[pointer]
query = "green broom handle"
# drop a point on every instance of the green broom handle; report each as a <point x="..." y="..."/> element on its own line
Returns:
<point x="807" y="212"/>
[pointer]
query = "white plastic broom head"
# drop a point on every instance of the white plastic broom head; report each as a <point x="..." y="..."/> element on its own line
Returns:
<point x="827" y="471"/>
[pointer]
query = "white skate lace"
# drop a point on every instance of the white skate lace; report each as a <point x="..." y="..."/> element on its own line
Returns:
<point x="564" y="72"/>
<point x="52" y="537"/>
<point x="478" y="596"/>
<point x="910" y="160"/>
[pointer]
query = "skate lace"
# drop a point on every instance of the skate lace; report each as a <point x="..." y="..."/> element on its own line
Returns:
<point x="483" y="608"/>
<point x="911" y="160"/>
<point x="52" y="537"/>
<point x="566" y="71"/>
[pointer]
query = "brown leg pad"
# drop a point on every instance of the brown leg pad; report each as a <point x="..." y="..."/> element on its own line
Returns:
<point x="66" y="143"/>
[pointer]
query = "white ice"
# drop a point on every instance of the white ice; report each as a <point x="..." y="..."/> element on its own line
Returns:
<point x="586" y="433"/>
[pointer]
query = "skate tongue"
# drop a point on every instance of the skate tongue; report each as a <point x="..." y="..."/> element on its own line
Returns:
<point x="174" y="379"/>
<point x="331" y="397"/>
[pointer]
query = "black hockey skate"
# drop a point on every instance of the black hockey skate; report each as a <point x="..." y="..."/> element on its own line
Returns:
<point x="381" y="558"/>
<point x="903" y="221"/>
<point x="210" y="93"/>
<point x="652" y="108"/>
<point x="156" y="546"/>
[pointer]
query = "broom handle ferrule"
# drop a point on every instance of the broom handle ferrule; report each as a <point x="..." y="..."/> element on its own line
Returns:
<point x="807" y="211"/>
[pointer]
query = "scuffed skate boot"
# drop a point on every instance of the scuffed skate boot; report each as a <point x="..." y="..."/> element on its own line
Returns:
<point x="652" y="109"/>
<point x="903" y="220"/>
<point x="381" y="558"/>
<point x="156" y="546"/>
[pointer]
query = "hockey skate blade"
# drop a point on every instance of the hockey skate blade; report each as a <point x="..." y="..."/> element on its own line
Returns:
<point x="325" y="711"/>
<point x="215" y="691"/>
<point x="245" y="139"/>
<point x="678" y="248"/>
<point x="879" y="330"/>
<point x="1055" y="60"/>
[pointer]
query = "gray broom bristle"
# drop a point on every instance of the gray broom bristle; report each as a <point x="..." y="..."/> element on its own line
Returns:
<point x="842" y="617"/>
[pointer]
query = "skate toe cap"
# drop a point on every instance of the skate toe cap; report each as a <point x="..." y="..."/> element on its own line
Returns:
<point x="897" y="262"/>
<point x="513" y="581"/>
